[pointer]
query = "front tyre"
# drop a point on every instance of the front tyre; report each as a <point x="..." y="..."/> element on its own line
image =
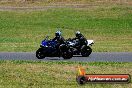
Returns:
<point x="86" y="51"/>
<point x="40" y="54"/>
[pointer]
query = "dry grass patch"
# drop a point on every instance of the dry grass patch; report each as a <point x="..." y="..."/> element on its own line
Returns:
<point x="82" y="3"/>
<point x="56" y="74"/>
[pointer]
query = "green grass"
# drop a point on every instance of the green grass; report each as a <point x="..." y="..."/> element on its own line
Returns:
<point x="110" y="27"/>
<point x="34" y="74"/>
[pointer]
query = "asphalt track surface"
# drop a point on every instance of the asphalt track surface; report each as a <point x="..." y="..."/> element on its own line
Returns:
<point x="95" y="56"/>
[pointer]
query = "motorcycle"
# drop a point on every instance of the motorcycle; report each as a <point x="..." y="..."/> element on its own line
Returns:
<point x="84" y="50"/>
<point x="50" y="48"/>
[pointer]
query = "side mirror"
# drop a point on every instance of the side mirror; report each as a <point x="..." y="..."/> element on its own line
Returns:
<point x="46" y="38"/>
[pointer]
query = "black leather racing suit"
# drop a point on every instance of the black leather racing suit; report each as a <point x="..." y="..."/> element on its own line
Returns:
<point x="60" y="40"/>
<point x="81" y="40"/>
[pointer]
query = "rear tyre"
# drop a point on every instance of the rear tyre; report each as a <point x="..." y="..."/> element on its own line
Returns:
<point x="86" y="51"/>
<point x="67" y="55"/>
<point x="40" y="54"/>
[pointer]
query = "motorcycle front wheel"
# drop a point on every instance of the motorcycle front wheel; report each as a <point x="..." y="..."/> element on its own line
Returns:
<point x="86" y="51"/>
<point x="40" y="54"/>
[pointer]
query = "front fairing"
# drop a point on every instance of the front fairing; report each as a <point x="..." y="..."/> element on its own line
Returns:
<point x="44" y="43"/>
<point x="48" y="43"/>
<point x="90" y="42"/>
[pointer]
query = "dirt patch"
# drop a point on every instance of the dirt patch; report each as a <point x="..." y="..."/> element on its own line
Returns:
<point x="46" y="4"/>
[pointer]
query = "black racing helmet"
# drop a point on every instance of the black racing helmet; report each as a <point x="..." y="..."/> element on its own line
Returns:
<point x="78" y="34"/>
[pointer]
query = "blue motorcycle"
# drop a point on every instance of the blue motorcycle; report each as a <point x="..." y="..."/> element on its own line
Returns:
<point x="50" y="48"/>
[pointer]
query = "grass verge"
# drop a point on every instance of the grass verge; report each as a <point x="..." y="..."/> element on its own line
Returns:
<point x="110" y="27"/>
<point x="42" y="74"/>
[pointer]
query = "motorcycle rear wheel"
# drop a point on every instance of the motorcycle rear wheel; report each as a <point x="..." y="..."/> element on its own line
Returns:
<point x="67" y="55"/>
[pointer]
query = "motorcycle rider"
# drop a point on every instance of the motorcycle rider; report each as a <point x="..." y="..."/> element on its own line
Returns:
<point x="82" y="40"/>
<point x="60" y="40"/>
